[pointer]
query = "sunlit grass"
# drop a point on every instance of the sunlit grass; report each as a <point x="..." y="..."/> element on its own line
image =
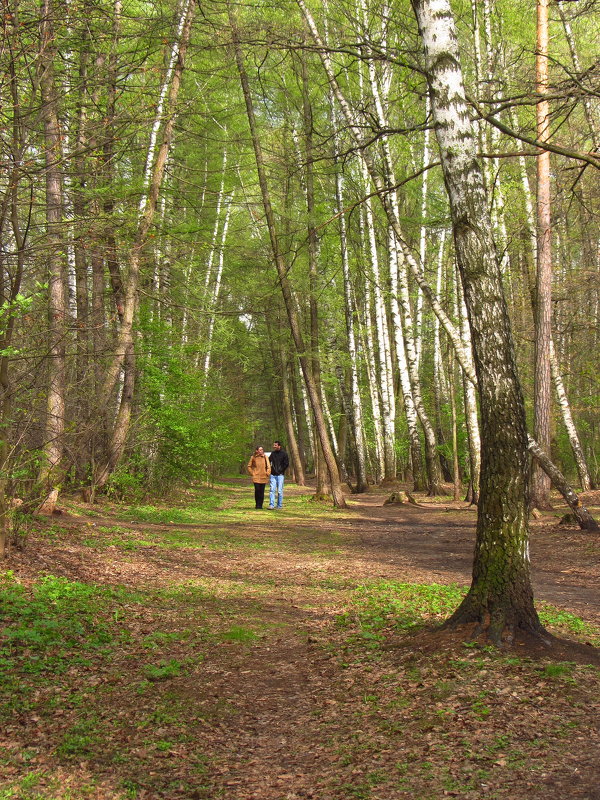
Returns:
<point x="392" y="606"/>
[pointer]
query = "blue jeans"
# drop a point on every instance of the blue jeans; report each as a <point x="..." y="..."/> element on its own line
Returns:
<point x="276" y="490"/>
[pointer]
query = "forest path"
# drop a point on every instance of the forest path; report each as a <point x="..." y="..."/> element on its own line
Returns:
<point x="247" y="664"/>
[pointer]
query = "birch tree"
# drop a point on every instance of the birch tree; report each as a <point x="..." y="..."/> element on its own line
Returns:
<point x="540" y="485"/>
<point x="501" y="597"/>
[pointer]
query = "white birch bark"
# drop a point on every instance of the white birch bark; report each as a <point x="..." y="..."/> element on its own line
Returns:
<point x="501" y="595"/>
<point x="565" y="409"/>
<point x="412" y="419"/>
<point x="433" y="469"/>
<point x="367" y="331"/>
<point x="383" y="349"/>
<point x="494" y="178"/>
<point x="215" y="233"/>
<point x="355" y="130"/>
<point x="388" y="401"/>
<point x="330" y="425"/>
<point x="470" y="401"/>
<point x="423" y="234"/>
<point x="160" y="107"/>
<point x="309" y="425"/>
<point x="355" y="398"/>
<point x="216" y="289"/>
<point x="439" y="376"/>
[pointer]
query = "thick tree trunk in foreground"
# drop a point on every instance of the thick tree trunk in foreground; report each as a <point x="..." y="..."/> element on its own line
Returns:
<point x="501" y="596"/>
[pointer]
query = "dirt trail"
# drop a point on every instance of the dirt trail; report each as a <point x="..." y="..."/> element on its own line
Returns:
<point x="302" y="710"/>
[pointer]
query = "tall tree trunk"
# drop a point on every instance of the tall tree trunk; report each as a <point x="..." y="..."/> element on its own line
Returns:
<point x="323" y="487"/>
<point x="388" y="398"/>
<point x="455" y="462"/>
<point x="10" y="288"/>
<point x="540" y="483"/>
<point x="49" y="474"/>
<point x="440" y="382"/>
<point x="282" y="272"/>
<point x="124" y="355"/>
<point x="383" y="190"/>
<point x="501" y="596"/>
<point x="384" y="187"/>
<point x="561" y="394"/>
<point x="292" y="442"/>
<point x="355" y="410"/>
<point x="369" y="349"/>
<point x="382" y="350"/>
<point x="470" y="402"/>
<point x="213" y="300"/>
<point x="400" y="337"/>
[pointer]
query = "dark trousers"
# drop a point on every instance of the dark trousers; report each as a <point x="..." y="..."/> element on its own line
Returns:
<point x="259" y="494"/>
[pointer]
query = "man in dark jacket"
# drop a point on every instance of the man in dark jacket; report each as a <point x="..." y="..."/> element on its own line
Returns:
<point x="279" y="463"/>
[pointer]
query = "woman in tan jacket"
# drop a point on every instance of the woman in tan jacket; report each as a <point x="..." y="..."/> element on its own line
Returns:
<point x="259" y="467"/>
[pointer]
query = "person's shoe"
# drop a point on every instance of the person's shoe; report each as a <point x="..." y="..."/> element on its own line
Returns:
<point x="271" y="508"/>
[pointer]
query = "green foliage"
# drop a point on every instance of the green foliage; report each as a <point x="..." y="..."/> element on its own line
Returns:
<point x="237" y="633"/>
<point x="399" y="606"/>
<point x="80" y="739"/>
<point x="162" y="671"/>
<point x="197" y="431"/>
<point x="44" y="625"/>
<point x="193" y="513"/>
<point x="560" y="670"/>
<point x="568" y="623"/>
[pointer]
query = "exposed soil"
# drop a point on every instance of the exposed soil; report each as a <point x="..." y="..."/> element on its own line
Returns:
<point x="303" y="710"/>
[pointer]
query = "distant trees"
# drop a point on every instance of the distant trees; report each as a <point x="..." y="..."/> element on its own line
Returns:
<point x="142" y="316"/>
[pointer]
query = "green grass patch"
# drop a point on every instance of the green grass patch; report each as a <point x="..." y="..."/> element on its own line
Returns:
<point x="43" y="625"/>
<point x="563" y="622"/>
<point x="163" y="671"/>
<point x="199" y="510"/>
<point x="396" y="606"/>
<point x="81" y="739"/>
<point x="238" y="633"/>
<point x="399" y="606"/>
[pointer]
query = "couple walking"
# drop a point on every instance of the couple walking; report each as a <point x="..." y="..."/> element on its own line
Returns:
<point x="268" y="469"/>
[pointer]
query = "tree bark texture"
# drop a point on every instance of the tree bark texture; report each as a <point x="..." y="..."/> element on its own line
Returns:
<point x="540" y="483"/>
<point x="55" y="411"/>
<point x="501" y="595"/>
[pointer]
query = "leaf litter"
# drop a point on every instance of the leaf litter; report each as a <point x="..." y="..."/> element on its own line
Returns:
<point x="259" y="671"/>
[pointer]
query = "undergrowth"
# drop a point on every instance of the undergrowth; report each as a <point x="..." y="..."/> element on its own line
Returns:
<point x="381" y="608"/>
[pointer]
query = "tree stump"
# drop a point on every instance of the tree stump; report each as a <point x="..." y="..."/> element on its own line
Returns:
<point x="399" y="498"/>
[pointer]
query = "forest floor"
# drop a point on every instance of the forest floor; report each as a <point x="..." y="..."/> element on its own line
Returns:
<point x="208" y="650"/>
